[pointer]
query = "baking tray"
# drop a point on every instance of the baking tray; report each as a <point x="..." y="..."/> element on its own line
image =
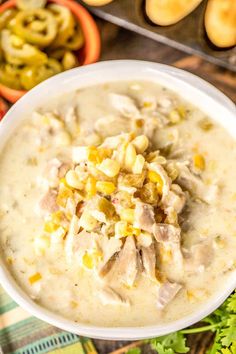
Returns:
<point x="187" y="35"/>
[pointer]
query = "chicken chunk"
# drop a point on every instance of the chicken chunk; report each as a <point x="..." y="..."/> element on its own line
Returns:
<point x="199" y="257"/>
<point x="166" y="294"/>
<point x="48" y="202"/>
<point x="109" y="247"/>
<point x="54" y="170"/>
<point x="109" y="296"/>
<point x="166" y="233"/>
<point x="144" y="217"/>
<point x="127" y="264"/>
<point x="149" y="261"/>
<point x="125" y="105"/>
<point x="176" y="198"/>
<point x="84" y="241"/>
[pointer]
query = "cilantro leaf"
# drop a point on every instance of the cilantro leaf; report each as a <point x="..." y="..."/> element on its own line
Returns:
<point x="231" y="303"/>
<point x="231" y="321"/>
<point x="222" y="322"/>
<point x="170" y="344"/>
<point x="228" y="336"/>
<point x="161" y="349"/>
<point x="233" y="347"/>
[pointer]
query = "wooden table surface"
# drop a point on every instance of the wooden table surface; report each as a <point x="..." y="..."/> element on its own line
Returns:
<point x="118" y="43"/>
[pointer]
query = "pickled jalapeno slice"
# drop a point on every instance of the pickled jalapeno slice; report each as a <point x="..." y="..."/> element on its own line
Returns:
<point x="36" y="26"/>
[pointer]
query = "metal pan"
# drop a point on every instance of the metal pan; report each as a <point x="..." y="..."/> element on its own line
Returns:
<point x="187" y="35"/>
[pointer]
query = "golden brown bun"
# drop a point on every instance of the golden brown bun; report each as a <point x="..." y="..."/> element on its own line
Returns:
<point x="97" y="2"/>
<point x="168" y="12"/>
<point x="220" y="22"/>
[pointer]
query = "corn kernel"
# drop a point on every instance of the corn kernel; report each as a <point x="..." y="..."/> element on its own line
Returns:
<point x="41" y="243"/>
<point x="97" y="155"/>
<point x="93" y="155"/>
<point x="72" y="180"/>
<point x="87" y="221"/>
<point x="109" y="167"/>
<point x="90" y="260"/>
<point x="104" y="153"/>
<point x="133" y="231"/>
<point x="127" y="215"/>
<point x="50" y="226"/>
<point x="139" y="164"/>
<point x="63" y="182"/>
<point x="59" y="234"/>
<point x="174" y="117"/>
<point x="105" y="187"/>
<point x="90" y="187"/>
<point x="141" y="143"/>
<point x="121" y="229"/>
<point x="156" y="178"/>
<point x="152" y="156"/>
<point x="56" y="217"/>
<point x="34" y="278"/>
<point x="130" y="156"/>
<point x="63" y="194"/>
<point x="199" y="162"/>
<point x="121" y="151"/>
<point x="182" y="111"/>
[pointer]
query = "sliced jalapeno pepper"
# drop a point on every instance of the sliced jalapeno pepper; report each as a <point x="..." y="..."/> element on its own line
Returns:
<point x="6" y="16"/>
<point x="65" y="23"/>
<point x="76" y="40"/>
<point x="69" y="60"/>
<point x="11" y="24"/>
<point x="12" y="60"/>
<point x="33" y="75"/>
<point x="36" y="26"/>
<point x="10" y="76"/>
<point x="30" y="4"/>
<point x="15" y="47"/>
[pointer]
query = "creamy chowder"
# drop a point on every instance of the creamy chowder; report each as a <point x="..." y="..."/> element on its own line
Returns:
<point x="117" y="205"/>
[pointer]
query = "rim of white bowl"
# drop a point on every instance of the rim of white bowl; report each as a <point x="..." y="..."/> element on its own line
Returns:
<point x="44" y="89"/>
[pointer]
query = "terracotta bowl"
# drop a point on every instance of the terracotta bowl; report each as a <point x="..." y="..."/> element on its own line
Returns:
<point x="88" y="54"/>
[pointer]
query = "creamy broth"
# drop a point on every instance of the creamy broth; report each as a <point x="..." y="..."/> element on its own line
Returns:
<point x="185" y="137"/>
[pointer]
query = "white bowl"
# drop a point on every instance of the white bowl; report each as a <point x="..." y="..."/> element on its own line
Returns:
<point x="200" y="93"/>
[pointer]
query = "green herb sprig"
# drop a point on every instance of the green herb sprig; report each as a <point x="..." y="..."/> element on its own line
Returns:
<point x="222" y="322"/>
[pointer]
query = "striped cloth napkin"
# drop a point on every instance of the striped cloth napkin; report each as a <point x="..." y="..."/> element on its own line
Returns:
<point x="21" y="333"/>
